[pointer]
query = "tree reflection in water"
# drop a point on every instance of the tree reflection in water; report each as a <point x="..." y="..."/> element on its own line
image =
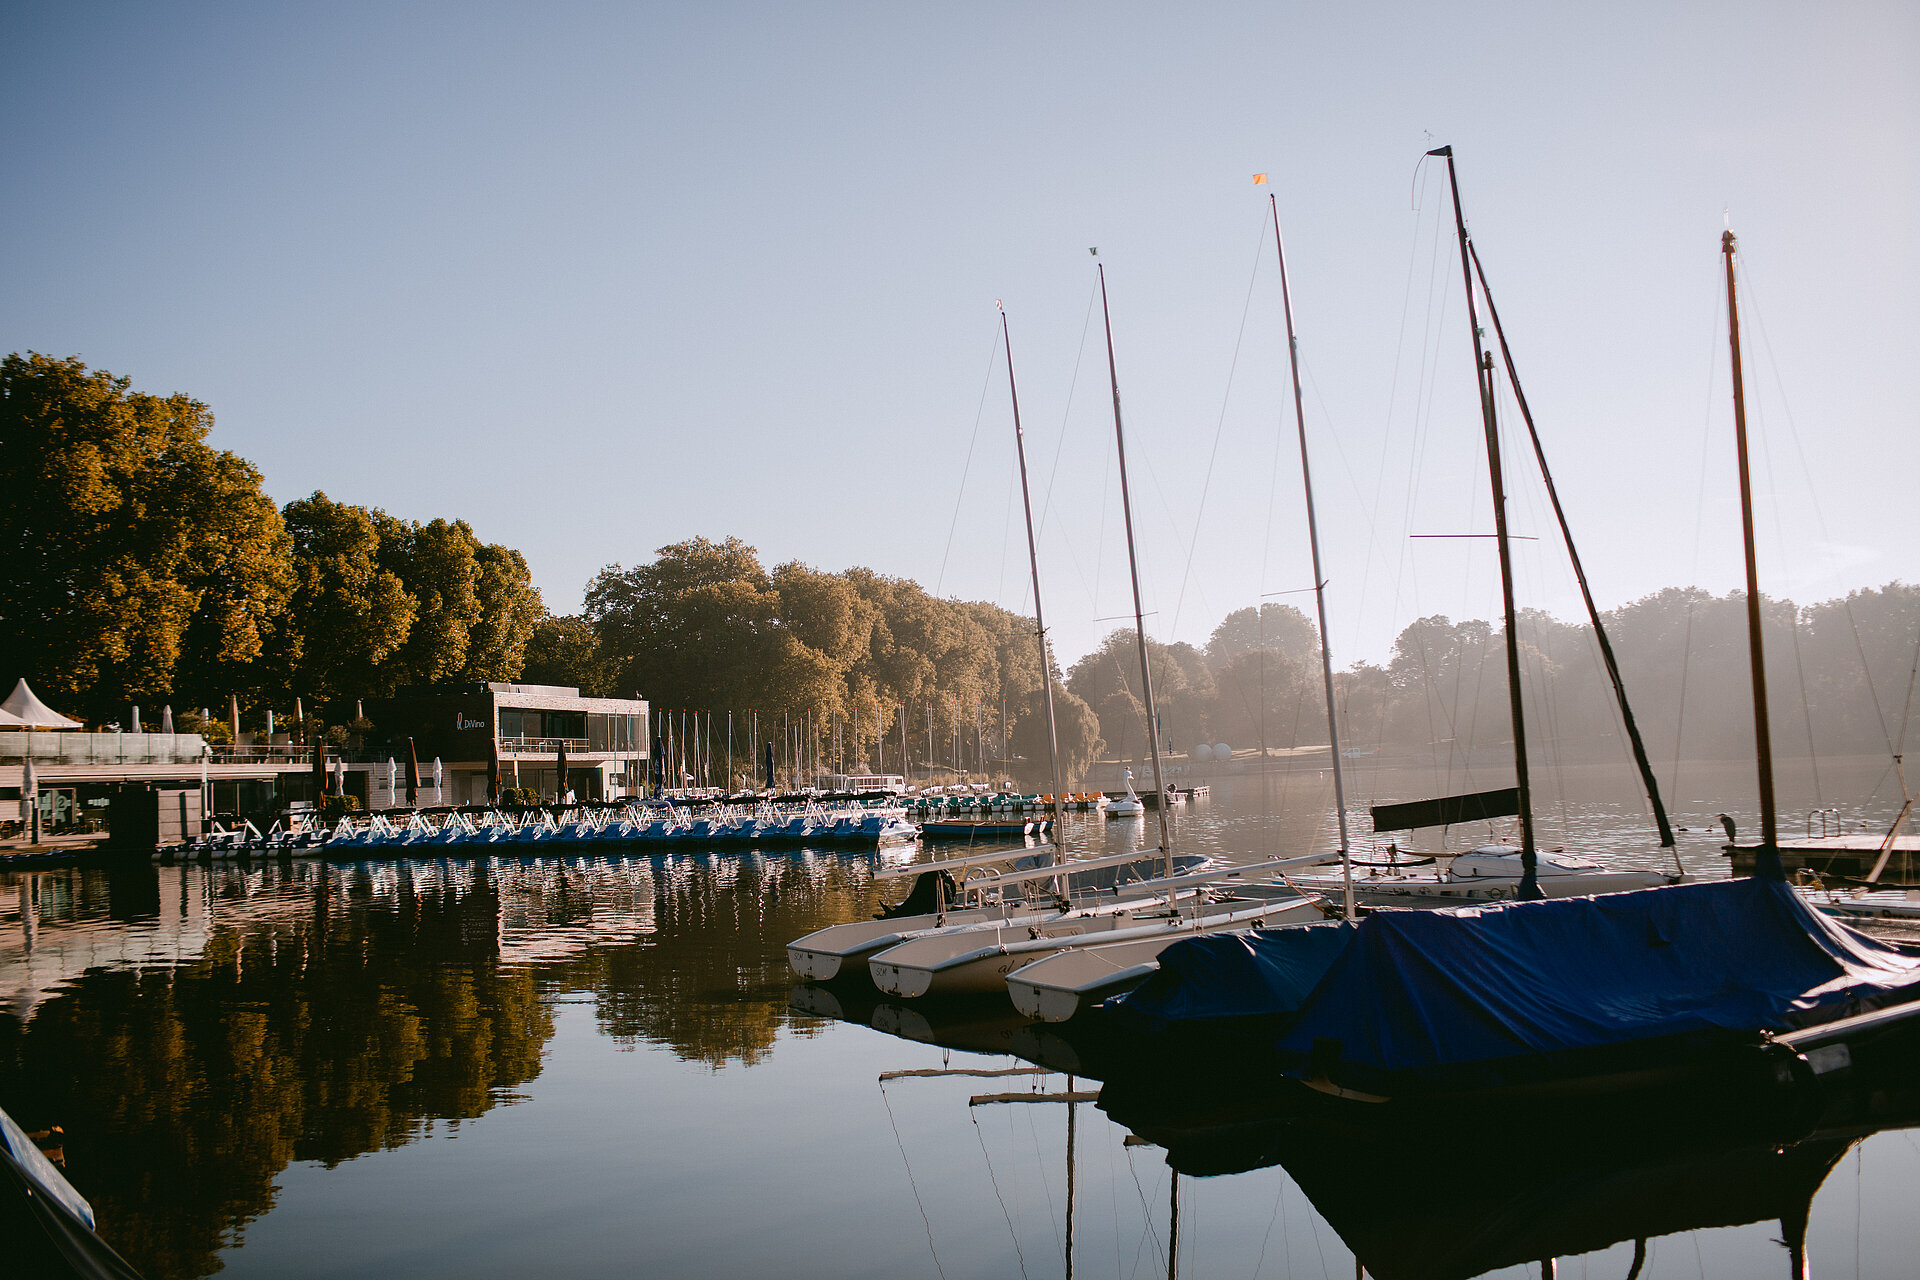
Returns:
<point x="196" y="1040"/>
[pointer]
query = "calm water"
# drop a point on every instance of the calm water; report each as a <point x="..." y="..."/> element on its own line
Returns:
<point x="506" y="1067"/>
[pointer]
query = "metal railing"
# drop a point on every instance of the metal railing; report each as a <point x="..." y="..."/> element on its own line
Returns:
<point x="543" y="746"/>
<point x="64" y="747"/>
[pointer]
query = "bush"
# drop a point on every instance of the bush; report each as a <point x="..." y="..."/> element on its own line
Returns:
<point x="332" y="808"/>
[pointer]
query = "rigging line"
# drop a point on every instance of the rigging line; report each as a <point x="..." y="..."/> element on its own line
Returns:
<point x="1066" y="414"/>
<point x="993" y="357"/>
<point x="1011" y="1233"/>
<point x="1146" y="1214"/>
<point x="1699" y="531"/>
<point x="1400" y="340"/>
<point x="1046" y="1183"/>
<point x="1751" y="294"/>
<point x="911" y="1184"/>
<point x="1906" y="710"/>
<point x="1220" y="424"/>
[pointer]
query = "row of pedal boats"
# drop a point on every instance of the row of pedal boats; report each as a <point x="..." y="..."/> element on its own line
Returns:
<point x="643" y="826"/>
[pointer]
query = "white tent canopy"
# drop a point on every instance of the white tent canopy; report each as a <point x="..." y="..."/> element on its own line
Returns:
<point x="8" y="720"/>
<point x="28" y="711"/>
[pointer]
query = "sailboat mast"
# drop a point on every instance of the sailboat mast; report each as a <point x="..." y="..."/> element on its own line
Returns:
<point x="1139" y="609"/>
<point x="1769" y="860"/>
<point x="1483" y="375"/>
<point x="1039" y="620"/>
<point x="1319" y="580"/>
<point x="1579" y="572"/>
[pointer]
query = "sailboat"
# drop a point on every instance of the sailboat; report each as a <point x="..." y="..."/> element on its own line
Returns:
<point x="1001" y="902"/>
<point x="1491" y="872"/>
<point x="978" y="960"/>
<point x="1060" y="987"/>
<point x="1737" y="982"/>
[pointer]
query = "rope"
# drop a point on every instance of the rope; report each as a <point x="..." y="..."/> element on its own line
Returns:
<point x="1012" y="1234"/>
<point x="911" y="1184"/>
<point x="1226" y="397"/>
<point x="993" y="357"/>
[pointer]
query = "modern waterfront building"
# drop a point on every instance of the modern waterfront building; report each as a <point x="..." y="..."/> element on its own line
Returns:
<point x="606" y="742"/>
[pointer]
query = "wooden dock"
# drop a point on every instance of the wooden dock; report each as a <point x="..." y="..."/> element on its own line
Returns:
<point x="1851" y="855"/>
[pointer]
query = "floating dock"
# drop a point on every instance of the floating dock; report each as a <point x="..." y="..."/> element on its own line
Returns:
<point x="1848" y="855"/>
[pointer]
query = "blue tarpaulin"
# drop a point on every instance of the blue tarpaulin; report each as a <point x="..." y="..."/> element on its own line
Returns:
<point x="1424" y="993"/>
<point x="1238" y="975"/>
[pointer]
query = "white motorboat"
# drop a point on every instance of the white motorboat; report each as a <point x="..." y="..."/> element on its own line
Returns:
<point x="1066" y="983"/>
<point x="1489" y="873"/>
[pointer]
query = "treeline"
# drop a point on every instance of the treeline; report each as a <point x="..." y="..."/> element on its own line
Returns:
<point x="146" y="567"/>
<point x="861" y="656"/>
<point x="1841" y="679"/>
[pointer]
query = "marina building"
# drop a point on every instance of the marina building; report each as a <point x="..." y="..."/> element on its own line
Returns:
<point x="605" y="739"/>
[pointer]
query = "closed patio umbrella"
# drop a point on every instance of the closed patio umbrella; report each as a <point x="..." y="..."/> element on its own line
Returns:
<point x="319" y="772"/>
<point x="393" y="780"/>
<point x="436" y="781"/>
<point x="233" y="717"/>
<point x="299" y="718"/>
<point x="166" y="718"/>
<point x="136" y="718"/>
<point x="30" y="799"/>
<point x="493" y="771"/>
<point x="561" y="792"/>
<point x="413" y="774"/>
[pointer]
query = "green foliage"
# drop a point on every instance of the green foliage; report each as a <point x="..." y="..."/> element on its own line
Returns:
<point x="332" y="808"/>
<point x="1280" y="628"/>
<point x="565" y="651"/>
<point x="1183" y="691"/>
<point x="138" y="559"/>
<point x="705" y="625"/>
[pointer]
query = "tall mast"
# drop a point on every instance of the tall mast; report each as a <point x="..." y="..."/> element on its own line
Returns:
<point x="1319" y="581"/>
<point x="1579" y="572"/>
<point x="1768" y="866"/>
<point x="1039" y="620"/>
<point x="1483" y="375"/>
<point x="1139" y="609"/>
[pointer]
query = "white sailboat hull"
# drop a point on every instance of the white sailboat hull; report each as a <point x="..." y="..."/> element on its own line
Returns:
<point x="842" y="950"/>
<point x="1438" y="891"/>
<point x="1063" y="985"/>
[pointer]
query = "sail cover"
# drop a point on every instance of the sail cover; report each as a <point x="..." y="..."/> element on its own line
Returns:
<point x="1238" y="975"/>
<point x="1474" y="996"/>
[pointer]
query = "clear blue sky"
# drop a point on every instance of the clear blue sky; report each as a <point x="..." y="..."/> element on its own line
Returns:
<point x="598" y="278"/>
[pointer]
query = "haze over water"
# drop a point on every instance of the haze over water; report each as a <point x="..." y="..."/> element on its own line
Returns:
<point x="505" y="1067"/>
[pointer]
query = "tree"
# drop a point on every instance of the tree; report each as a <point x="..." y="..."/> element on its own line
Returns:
<point x="565" y="651"/>
<point x="1267" y="698"/>
<point x="349" y="615"/>
<point x="510" y="609"/>
<point x="1078" y="734"/>
<point x="137" y="556"/>
<point x="1278" y="627"/>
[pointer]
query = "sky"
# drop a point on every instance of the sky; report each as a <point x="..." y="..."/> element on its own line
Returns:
<point x="602" y="278"/>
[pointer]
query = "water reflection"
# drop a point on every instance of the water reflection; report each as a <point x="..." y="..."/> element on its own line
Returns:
<point x="238" y="1053"/>
<point x="197" y="1029"/>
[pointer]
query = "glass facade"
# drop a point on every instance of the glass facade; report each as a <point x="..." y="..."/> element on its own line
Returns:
<point x="599" y="732"/>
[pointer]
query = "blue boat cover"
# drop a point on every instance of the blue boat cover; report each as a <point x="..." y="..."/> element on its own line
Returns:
<point x="1423" y="993"/>
<point x="1238" y="975"/>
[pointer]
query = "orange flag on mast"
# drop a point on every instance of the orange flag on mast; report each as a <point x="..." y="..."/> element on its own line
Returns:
<point x="1259" y="179"/>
